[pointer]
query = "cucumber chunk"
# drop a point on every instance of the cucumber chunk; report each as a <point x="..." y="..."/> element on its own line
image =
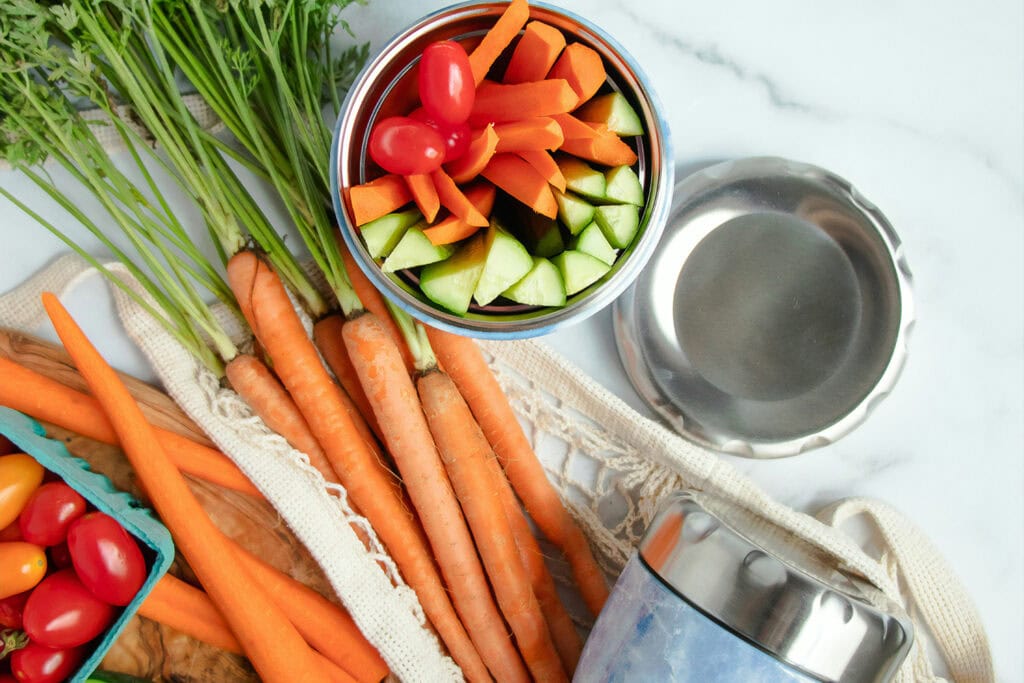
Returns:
<point x="614" y="111"/>
<point x="382" y="234"/>
<point x="505" y="263"/>
<point x="575" y="213"/>
<point x="542" y="286"/>
<point x="415" y="249"/>
<point x="579" y="270"/>
<point x="592" y="241"/>
<point x="451" y="283"/>
<point x="541" y="235"/>
<point x="619" y="223"/>
<point x="582" y="178"/>
<point x="622" y="186"/>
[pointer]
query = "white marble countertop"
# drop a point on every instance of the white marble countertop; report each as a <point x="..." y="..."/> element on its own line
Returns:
<point x="920" y="105"/>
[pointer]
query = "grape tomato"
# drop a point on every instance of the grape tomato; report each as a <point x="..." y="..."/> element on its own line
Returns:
<point x="405" y="146"/>
<point x="22" y="566"/>
<point x="107" y="560"/>
<point x="12" y="609"/>
<point x="20" y="476"/>
<point x="63" y="613"/>
<point x="456" y="136"/>
<point x="447" y="87"/>
<point x="49" y="513"/>
<point x="37" y="663"/>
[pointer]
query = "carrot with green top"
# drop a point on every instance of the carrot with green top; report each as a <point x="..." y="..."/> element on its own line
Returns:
<point x="465" y="364"/>
<point x="408" y="438"/>
<point x="466" y="455"/>
<point x="370" y="485"/>
<point x="269" y="640"/>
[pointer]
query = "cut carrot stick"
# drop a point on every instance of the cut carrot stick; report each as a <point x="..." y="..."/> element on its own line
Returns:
<point x="481" y="149"/>
<point x="496" y="102"/>
<point x="324" y="625"/>
<point x="275" y="648"/>
<point x="370" y="485"/>
<point x="263" y="393"/>
<point x="504" y="31"/>
<point x="466" y="454"/>
<point x="378" y="197"/>
<point x="455" y="201"/>
<point x="421" y="187"/>
<point x="535" y="134"/>
<point x="607" y="149"/>
<point x="519" y="179"/>
<point x="393" y="396"/>
<point x="453" y="228"/>
<point x="327" y="336"/>
<point x="465" y="364"/>
<point x="544" y="164"/>
<point x="582" y="67"/>
<point x="372" y="299"/>
<point x="573" y="128"/>
<point x="535" y="53"/>
<point x="50" y="401"/>
<point x="188" y="609"/>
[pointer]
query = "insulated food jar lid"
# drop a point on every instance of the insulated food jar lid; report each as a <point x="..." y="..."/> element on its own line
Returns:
<point x="773" y="590"/>
<point x="775" y="312"/>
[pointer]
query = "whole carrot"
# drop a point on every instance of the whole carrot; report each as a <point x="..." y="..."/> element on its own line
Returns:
<point x="465" y="453"/>
<point x="263" y="393"/>
<point x="393" y="397"/>
<point x="50" y="401"/>
<point x="327" y="336"/>
<point x="462" y="360"/>
<point x="370" y="485"/>
<point x="271" y="643"/>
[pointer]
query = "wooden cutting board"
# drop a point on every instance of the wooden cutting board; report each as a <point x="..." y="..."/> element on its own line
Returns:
<point x="147" y="649"/>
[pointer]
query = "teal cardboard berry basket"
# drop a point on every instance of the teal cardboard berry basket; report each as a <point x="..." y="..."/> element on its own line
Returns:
<point x="153" y="538"/>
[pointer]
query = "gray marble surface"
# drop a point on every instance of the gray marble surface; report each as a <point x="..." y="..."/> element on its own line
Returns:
<point x="920" y="105"/>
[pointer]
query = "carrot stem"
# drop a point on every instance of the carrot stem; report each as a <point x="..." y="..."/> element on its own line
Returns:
<point x="271" y="643"/>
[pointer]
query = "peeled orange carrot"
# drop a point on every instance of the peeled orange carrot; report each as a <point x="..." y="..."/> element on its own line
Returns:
<point x="455" y="201"/>
<point x="496" y="102"/>
<point x="498" y="38"/>
<point x="606" y="148"/>
<point x="544" y="164"/>
<point x="423" y="192"/>
<point x="378" y="197"/>
<point x="481" y="149"/>
<point x="535" y="53"/>
<point x="538" y="133"/>
<point x="519" y="179"/>
<point x="453" y="228"/>
<point x="582" y="67"/>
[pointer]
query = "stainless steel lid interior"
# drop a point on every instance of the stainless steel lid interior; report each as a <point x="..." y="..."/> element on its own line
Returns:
<point x="763" y="585"/>
<point x="775" y="312"/>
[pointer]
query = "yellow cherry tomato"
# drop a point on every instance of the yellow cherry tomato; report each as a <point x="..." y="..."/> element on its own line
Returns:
<point x="22" y="566"/>
<point x="20" y="476"/>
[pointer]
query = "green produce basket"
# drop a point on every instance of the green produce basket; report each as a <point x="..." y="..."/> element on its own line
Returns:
<point x="154" y="539"/>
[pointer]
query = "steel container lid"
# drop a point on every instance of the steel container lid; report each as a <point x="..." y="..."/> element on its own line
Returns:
<point x="771" y="589"/>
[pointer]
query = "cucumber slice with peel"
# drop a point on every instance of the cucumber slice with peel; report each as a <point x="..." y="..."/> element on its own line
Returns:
<point x="614" y="111"/>
<point x="382" y="234"/>
<point x="582" y="178"/>
<point x="592" y="241"/>
<point x="619" y="223"/>
<point x="415" y="249"/>
<point x="622" y="186"/>
<point x="575" y="213"/>
<point x="507" y="261"/>
<point x="542" y="286"/>
<point x="579" y="270"/>
<point x="451" y="283"/>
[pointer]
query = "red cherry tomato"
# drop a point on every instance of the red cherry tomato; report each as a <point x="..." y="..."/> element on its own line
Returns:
<point x="107" y="560"/>
<point x="62" y="613"/>
<point x="456" y="136"/>
<point x="37" y="663"/>
<point x="12" y="608"/>
<point x="405" y="146"/>
<point x="49" y="513"/>
<point x="60" y="556"/>
<point x="447" y="87"/>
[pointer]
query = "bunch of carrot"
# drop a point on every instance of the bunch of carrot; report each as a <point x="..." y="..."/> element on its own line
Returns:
<point x="449" y="516"/>
<point x="520" y="121"/>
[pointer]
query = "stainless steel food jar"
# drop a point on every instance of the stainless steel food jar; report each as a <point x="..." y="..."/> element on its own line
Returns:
<point x="716" y="595"/>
